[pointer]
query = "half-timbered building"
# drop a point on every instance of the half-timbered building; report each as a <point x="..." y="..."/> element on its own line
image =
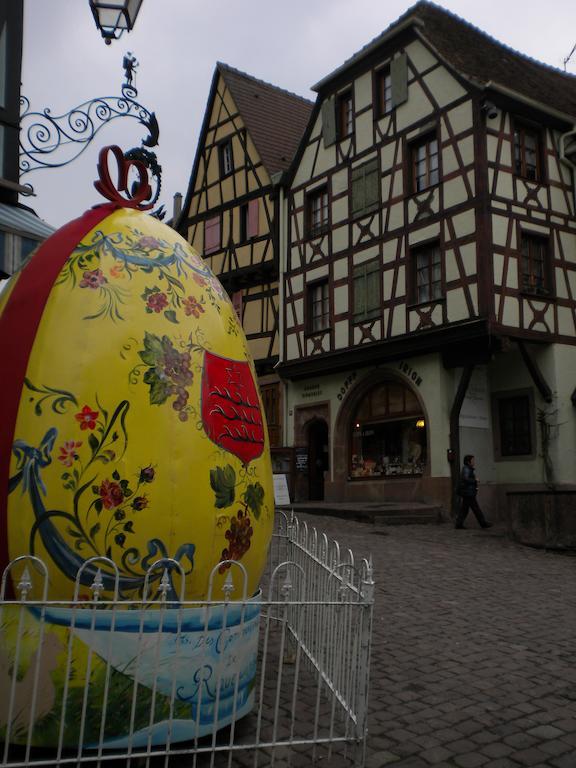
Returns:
<point x="250" y="133"/>
<point x="430" y="284"/>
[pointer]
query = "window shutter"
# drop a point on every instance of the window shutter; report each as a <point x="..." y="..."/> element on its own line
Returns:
<point x="329" y="121"/>
<point x="358" y="190"/>
<point x="371" y="184"/>
<point x="399" y="76"/>
<point x="373" y="289"/>
<point x="359" y="290"/>
<point x="253" y="212"/>
<point x="212" y="234"/>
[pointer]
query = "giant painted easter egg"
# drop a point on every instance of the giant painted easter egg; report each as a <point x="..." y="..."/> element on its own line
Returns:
<point x="132" y="426"/>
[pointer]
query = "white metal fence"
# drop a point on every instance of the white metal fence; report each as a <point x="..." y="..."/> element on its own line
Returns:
<point x="279" y="679"/>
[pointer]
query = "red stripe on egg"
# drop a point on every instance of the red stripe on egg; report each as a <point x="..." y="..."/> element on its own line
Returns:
<point x="18" y="326"/>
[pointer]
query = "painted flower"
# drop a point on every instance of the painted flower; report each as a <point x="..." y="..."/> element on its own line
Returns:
<point x="193" y="307"/>
<point x="156" y="301"/>
<point x="215" y="283"/>
<point x="139" y="503"/>
<point x="119" y="514"/>
<point x="93" y="278"/>
<point x="199" y="280"/>
<point x="120" y="539"/>
<point x="148" y="243"/>
<point x="111" y="494"/>
<point x="68" y="452"/>
<point x="87" y="418"/>
<point x="147" y="474"/>
<point x="117" y="270"/>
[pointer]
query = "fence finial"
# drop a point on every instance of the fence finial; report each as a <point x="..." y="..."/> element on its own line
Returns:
<point x="228" y="586"/>
<point x="97" y="586"/>
<point x="25" y="584"/>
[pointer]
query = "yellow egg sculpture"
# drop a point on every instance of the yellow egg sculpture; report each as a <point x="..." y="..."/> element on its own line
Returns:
<point x="132" y="425"/>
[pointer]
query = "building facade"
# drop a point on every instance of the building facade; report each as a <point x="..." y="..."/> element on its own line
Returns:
<point x="430" y="284"/>
<point x="231" y="213"/>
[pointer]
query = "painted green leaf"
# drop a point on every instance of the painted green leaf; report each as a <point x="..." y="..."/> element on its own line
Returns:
<point x="153" y="352"/>
<point x="158" y="388"/>
<point x="223" y="482"/>
<point x="254" y="498"/>
<point x="170" y="315"/>
<point x="94" y="530"/>
<point x="93" y="443"/>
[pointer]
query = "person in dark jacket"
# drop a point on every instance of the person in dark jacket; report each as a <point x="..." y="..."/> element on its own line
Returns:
<point x="468" y="490"/>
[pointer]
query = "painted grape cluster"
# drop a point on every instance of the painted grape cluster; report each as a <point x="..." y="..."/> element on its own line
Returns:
<point x="238" y="537"/>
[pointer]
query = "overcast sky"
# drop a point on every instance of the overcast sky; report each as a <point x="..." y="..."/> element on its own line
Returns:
<point x="178" y="42"/>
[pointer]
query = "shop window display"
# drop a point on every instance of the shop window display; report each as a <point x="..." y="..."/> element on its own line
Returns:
<point x="388" y="434"/>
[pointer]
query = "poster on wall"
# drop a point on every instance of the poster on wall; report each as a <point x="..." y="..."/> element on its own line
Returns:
<point x="475" y="410"/>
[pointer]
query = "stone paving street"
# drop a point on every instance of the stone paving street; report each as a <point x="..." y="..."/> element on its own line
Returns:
<point x="474" y="648"/>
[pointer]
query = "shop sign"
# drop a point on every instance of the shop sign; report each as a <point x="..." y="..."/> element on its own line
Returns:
<point x="311" y="390"/>
<point x="301" y="459"/>
<point x="410" y="373"/>
<point x="346" y="385"/>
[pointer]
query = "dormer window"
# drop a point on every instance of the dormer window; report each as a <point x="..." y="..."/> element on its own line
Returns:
<point x="527" y="153"/>
<point x="345" y="115"/>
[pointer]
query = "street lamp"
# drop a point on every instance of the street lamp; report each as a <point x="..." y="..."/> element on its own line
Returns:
<point x="112" y="17"/>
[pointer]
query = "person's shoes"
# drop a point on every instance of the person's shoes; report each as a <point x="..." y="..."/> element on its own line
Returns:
<point x="487" y="524"/>
<point x="462" y="527"/>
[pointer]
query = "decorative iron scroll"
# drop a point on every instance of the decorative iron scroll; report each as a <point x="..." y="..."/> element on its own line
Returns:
<point x="54" y="141"/>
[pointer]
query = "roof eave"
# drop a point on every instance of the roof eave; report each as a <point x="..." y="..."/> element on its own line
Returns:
<point x="539" y="105"/>
<point x="374" y="45"/>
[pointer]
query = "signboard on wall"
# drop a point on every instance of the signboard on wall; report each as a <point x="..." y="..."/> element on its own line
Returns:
<point x="475" y="410"/>
<point x="281" y="494"/>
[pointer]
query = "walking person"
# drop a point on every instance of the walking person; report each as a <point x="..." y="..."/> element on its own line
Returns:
<point x="468" y="490"/>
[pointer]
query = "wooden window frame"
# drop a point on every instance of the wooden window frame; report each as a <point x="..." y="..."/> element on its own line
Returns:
<point x="373" y="167"/>
<point x="317" y="229"/>
<point x="344" y="115"/>
<point x="529" y="242"/>
<point x="248" y="227"/>
<point x="311" y="303"/>
<point x="497" y="399"/>
<point x="428" y="247"/>
<point x="224" y="148"/>
<point x="271" y="402"/>
<point x="367" y="268"/>
<point x="384" y="106"/>
<point x="520" y="166"/>
<point x="413" y="146"/>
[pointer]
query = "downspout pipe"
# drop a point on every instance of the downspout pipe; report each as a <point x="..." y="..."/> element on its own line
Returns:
<point x="565" y="140"/>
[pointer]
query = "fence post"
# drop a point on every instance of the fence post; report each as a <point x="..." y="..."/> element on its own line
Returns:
<point x="367" y="602"/>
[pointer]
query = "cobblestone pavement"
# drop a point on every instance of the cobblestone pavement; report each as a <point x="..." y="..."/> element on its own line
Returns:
<point x="474" y="642"/>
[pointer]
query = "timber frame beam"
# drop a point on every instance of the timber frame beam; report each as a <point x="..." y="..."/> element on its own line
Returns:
<point x="535" y="372"/>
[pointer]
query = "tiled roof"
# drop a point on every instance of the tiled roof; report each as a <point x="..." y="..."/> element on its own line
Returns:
<point x="479" y="57"/>
<point x="275" y="119"/>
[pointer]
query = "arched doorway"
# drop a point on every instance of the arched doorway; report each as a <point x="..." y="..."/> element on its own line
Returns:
<point x="318" y="461"/>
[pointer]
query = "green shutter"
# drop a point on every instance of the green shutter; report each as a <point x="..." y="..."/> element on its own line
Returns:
<point x="329" y="121"/>
<point x="358" y="190"/>
<point x="359" y="291"/>
<point x="373" y="289"/>
<point x="399" y="77"/>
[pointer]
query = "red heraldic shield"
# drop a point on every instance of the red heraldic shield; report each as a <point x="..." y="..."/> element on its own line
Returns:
<point x="231" y="412"/>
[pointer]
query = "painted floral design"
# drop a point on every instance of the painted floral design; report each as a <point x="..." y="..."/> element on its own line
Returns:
<point x="132" y="251"/>
<point x="69" y="452"/>
<point x="87" y="418"/>
<point x="93" y="279"/>
<point x="193" y="307"/>
<point x="156" y="300"/>
<point x="104" y="507"/>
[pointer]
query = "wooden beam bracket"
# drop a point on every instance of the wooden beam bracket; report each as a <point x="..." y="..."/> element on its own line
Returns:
<point x="535" y="372"/>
